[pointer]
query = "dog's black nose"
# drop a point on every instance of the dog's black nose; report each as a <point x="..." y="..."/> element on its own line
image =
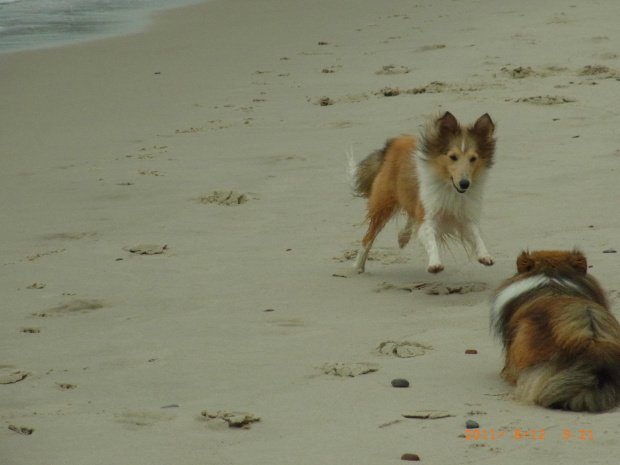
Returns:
<point x="464" y="184"/>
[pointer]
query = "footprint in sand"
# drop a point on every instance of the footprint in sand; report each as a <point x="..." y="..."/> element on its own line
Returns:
<point x="434" y="87"/>
<point x="428" y="414"/>
<point x="30" y="330"/>
<point x="148" y="249"/>
<point x="349" y="98"/>
<point x="388" y="92"/>
<point x="34" y="256"/>
<point x="273" y="160"/>
<point x="149" y="173"/>
<point x="393" y="69"/>
<point x="66" y="386"/>
<point x="520" y="72"/>
<point x="349" y="369"/>
<point x="229" y="419"/>
<point x="546" y="100"/>
<point x="436" y="288"/>
<point x="599" y="71"/>
<point x="72" y="307"/>
<point x="403" y="349"/>
<point x="72" y="236"/>
<point x="385" y="256"/>
<point x="10" y="375"/>
<point x="608" y="55"/>
<point x="35" y="286"/>
<point x="292" y="323"/>
<point x="142" y="418"/>
<point x="437" y="87"/>
<point x="25" y="430"/>
<point x="226" y="198"/>
<point x="428" y="48"/>
<point x="341" y="124"/>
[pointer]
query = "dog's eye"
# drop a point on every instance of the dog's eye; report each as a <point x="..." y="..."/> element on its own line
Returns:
<point x="472" y="159"/>
<point x="454" y="157"/>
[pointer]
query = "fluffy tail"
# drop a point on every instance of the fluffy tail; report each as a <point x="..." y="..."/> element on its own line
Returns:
<point x="362" y="175"/>
<point x="579" y="388"/>
<point x="586" y="374"/>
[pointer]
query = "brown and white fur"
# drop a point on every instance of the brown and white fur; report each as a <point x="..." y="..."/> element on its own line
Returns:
<point x="562" y="342"/>
<point x="438" y="181"/>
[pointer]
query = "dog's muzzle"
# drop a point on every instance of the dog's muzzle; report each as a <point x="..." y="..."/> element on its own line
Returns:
<point x="462" y="186"/>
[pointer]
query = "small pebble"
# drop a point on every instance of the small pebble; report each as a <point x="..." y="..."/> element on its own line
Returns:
<point x="471" y="351"/>
<point x="411" y="457"/>
<point x="400" y="383"/>
<point x="171" y="406"/>
<point x="609" y="251"/>
<point x="470" y="424"/>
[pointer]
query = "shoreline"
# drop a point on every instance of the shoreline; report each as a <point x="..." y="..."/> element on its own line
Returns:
<point x="74" y="29"/>
<point x="239" y="302"/>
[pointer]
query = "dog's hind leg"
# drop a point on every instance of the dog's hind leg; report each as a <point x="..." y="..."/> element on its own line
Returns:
<point x="362" y="256"/>
<point x="404" y="235"/>
<point x="379" y="214"/>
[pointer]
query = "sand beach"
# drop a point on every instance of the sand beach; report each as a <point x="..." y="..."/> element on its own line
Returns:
<point x="177" y="231"/>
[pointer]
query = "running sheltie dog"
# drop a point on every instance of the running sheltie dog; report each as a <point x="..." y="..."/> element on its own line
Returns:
<point x="562" y="343"/>
<point x="438" y="181"/>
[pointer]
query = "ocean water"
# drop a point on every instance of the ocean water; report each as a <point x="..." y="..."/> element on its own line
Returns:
<point x="30" y="24"/>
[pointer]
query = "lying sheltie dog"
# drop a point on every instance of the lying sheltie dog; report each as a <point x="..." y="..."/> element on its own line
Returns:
<point x="562" y="343"/>
<point x="437" y="180"/>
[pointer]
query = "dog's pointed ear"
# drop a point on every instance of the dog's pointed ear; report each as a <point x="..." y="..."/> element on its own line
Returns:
<point x="484" y="127"/>
<point x="525" y="262"/>
<point x="447" y="124"/>
<point x="579" y="262"/>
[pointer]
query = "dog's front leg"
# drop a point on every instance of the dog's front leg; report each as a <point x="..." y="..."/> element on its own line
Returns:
<point x="481" y="251"/>
<point x="427" y="235"/>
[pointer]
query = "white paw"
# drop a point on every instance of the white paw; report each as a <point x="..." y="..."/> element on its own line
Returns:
<point x="486" y="260"/>
<point x="437" y="268"/>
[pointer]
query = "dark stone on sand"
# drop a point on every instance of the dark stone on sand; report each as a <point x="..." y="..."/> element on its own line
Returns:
<point x="471" y="351"/>
<point x="609" y="251"/>
<point x="471" y="424"/>
<point x="400" y="383"/>
<point x="411" y="457"/>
